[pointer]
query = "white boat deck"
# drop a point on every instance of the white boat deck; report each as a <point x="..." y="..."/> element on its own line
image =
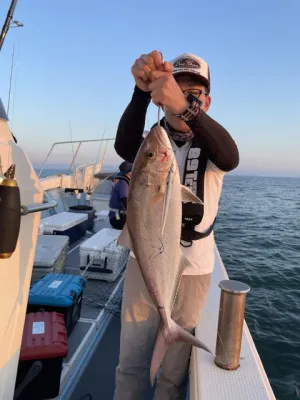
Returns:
<point x="209" y="382"/>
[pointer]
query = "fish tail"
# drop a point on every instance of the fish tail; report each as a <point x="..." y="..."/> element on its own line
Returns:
<point x="160" y="348"/>
<point x="165" y="337"/>
<point x="184" y="336"/>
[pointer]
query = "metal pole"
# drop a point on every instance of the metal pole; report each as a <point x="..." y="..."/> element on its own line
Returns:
<point x="8" y="19"/>
<point x="43" y="166"/>
<point x="74" y="158"/>
<point x="104" y="154"/>
<point x="230" y="324"/>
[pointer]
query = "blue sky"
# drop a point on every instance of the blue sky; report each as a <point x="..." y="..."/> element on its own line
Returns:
<point x="73" y="60"/>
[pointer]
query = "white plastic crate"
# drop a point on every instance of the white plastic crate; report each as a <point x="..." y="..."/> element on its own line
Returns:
<point x="62" y="221"/>
<point x="101" y="251"/>
<point x="50" y="255"/>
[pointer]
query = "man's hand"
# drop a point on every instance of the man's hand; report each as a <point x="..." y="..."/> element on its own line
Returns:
<point x="145" y="65"/>
<point x="166" y="92"/>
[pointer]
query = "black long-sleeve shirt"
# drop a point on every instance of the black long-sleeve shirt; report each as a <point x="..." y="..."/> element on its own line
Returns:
<point x="214" y="140"/>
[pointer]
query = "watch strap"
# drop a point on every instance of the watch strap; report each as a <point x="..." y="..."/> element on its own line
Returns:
<point x="192" y="110"/>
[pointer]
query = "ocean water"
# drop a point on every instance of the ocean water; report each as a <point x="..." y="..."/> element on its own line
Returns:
<point x="258" y="236"/>
<point x="50" y="171"/>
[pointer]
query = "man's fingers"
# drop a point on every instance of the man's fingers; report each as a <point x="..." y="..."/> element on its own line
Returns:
<point x="158" y="59"/>
<point x="149" y="61"/>
<point x="159" y="74"/>
<point x="139" y="72"/>
<point x="168" y="67"/>
<point x="150" y="67"/>
<point x="144" y="67"/>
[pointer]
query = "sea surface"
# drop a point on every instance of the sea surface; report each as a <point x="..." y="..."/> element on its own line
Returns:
<point x="258" y="236"/>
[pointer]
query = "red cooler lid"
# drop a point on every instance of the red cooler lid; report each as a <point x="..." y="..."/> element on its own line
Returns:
<point x="44" y="336"/>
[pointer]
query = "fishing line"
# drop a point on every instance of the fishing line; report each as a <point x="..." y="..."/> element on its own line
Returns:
<point x="158" y="116"/>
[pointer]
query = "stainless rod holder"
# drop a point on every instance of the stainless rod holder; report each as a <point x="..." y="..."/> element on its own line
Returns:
<point x="230" y="323"/>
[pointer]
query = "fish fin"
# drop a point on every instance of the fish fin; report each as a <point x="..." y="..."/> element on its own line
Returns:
<point x="165" y="337"/>
<point x="188" y="195"/>
<point x="184" y="336"/>
<point x="160" y="348"/>
<point x="124" y="238"/>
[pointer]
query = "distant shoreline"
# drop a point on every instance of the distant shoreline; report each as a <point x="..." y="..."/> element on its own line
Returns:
<point x="112" y="168"/>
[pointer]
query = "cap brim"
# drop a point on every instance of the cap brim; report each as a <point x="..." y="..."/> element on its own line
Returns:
<point x="200" y="77"/>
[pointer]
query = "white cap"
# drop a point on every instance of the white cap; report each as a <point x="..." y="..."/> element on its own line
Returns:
<point x="188" y="63"/>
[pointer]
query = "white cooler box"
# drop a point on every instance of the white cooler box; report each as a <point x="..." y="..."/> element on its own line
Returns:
<point x="66" y="223"/>
<point x="106" y="258"/>
<point x="50" y="255"/>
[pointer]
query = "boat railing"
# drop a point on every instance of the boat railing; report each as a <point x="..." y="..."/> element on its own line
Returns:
<point x="46" y="205"/>
<point x="79" y="143"/>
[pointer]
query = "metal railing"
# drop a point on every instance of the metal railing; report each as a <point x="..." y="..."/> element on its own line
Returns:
<point x="46" y="205"/>
<point x="76" y="152"/>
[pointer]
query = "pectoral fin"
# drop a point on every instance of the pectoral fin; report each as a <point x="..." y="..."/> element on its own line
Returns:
<point x="174" y="333"/>
<point x="188" y="195"/>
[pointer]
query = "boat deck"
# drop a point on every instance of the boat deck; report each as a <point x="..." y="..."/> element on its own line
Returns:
<point x="101" y="304"/>
<point x="94" y="343"/>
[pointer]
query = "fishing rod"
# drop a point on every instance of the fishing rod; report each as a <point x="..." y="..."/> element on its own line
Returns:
<point x="8" y="24"/>
<point x="10" y="79"/>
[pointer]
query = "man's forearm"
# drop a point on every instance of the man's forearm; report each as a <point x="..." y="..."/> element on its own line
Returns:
<point x="124" y="202"/>
<point x="215" y="141"/>
<point x="131" y="125"/>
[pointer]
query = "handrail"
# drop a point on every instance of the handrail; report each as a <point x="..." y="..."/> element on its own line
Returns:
<point x="71" y="142"/>
<point x="46" y="205"/>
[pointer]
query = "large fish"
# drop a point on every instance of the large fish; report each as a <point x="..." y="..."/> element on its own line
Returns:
<point x="152" y="232"/>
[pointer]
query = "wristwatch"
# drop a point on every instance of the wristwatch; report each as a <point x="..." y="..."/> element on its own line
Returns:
<point x="192" y="109"/>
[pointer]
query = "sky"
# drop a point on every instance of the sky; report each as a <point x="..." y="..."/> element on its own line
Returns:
<point x="72" y="78"/>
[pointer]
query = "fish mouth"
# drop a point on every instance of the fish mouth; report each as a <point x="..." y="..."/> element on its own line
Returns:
<point x="163" y="140"/>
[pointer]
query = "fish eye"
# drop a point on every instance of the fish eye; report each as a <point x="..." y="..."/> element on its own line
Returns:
<point x="150" y="154"/>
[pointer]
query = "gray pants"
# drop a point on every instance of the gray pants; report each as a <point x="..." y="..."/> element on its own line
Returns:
<point x="139" y="326"/>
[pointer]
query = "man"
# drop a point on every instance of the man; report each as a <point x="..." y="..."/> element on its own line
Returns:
<point x="119" y="195"/>
<point x="204" y="152"/>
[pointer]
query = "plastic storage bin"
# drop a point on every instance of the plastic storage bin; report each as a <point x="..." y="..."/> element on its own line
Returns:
<point x="58" y="292"/>
<point x="50" y="255"/>
<point x="106" y="256"/>
<point x="44" y="345"/>
<point x="90" y="211"/>
<point x="66" y="223"/>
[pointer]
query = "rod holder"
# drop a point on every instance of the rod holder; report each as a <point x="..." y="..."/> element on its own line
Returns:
<point x="230" y="323"/>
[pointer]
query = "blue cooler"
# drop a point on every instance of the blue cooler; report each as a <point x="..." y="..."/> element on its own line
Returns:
<point x="58" y="292"/>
